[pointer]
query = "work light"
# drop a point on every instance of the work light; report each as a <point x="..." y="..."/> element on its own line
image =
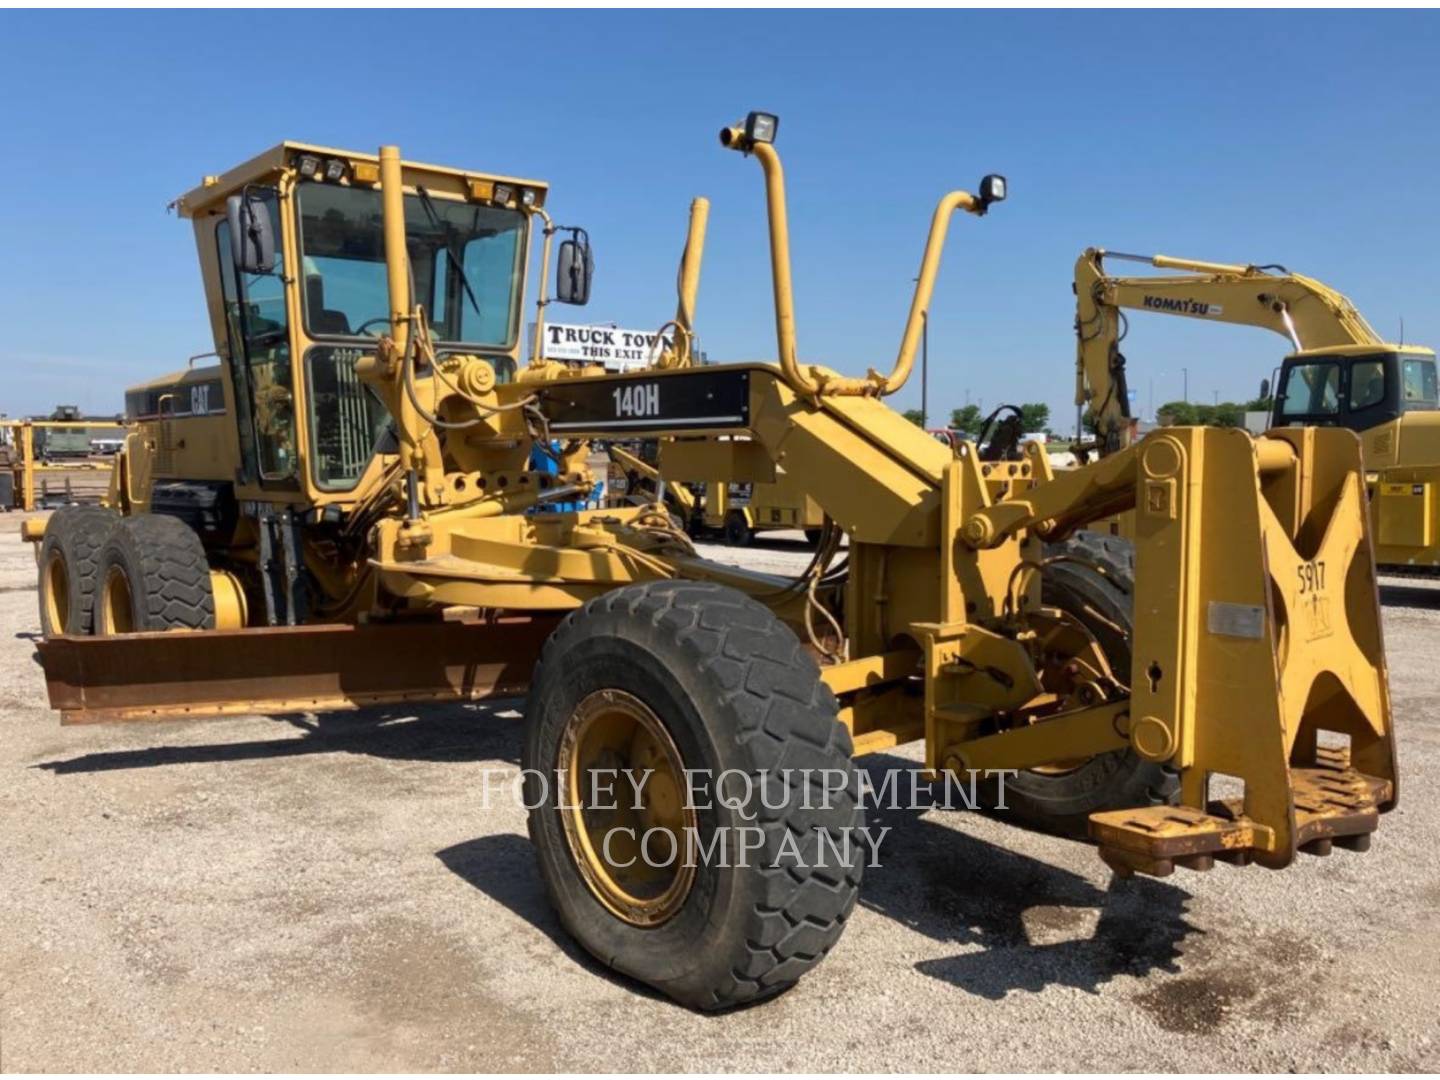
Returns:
<point x="504" y="193"/>
<point x="761" y="127"/>
<point x="309" y="166"/>
<point x="334" y="169"/>
<point x="992" y="189"/>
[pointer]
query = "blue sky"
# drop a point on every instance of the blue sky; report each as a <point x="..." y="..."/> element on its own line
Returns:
<point x="1297" y="137"/>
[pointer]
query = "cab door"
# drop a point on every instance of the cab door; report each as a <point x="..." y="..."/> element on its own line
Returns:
<point x="262" y="375"/>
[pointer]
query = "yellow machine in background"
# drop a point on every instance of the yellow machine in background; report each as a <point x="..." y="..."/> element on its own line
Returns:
<point x="1341" y="374"/>
<point x="377" y="496"/>
<point x="714" y="509"/>
<point x="739" y="514"/>
<point x="31" y="467"/>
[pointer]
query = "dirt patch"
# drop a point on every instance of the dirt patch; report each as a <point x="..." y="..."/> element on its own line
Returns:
<point x="1197" y="1004"/>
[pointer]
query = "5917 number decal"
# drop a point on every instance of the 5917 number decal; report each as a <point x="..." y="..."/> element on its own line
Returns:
<point x="1312" y="576"/>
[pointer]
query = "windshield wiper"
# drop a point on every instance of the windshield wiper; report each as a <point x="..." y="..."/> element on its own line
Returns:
<point x="445" y="233"/>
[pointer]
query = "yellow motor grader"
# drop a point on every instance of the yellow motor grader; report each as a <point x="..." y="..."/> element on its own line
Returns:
<point x="343" y="511"/>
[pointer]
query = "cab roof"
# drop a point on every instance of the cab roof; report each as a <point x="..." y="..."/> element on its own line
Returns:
<point x="214" y="189"/>
<point x="1366" y="350"/>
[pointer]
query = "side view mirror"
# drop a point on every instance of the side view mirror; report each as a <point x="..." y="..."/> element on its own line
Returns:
<point x="574" y="269"/>
<point x="252" y="237"/>
<point x="1264" y="388"/>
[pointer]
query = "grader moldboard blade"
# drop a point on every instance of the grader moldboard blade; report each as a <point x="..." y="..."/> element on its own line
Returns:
<point x="180" y="674"/>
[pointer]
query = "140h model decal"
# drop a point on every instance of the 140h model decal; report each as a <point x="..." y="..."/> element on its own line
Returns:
<point x="638" y="400"/>
<point x="693" y="399"/>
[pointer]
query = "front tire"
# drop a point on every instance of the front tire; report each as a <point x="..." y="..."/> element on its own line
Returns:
<point x="153" y="575"/>
<point x="678" y="675"/>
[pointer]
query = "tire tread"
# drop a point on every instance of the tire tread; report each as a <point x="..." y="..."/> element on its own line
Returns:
<point x="167" y="565"/>
<point x="779" y="708"/>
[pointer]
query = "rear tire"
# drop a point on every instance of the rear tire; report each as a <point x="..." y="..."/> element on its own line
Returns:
<point x="153" y="575"/>
<point x="738" y="532"/>
<point x="69" y="561"/>
<point x="1101" y="581"/>
<point x="737" y="695"/>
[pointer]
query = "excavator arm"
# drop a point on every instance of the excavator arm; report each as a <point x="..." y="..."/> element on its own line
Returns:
<point x="1308" y="313"/>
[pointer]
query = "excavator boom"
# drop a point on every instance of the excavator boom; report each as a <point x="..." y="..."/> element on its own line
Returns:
<point x="1306" y="312"/>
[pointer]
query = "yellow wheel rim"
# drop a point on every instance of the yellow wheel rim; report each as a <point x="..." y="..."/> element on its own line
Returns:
<point x="632" y="848"/>
<point x="57" y="594"/>
<point x="115" y="614"/>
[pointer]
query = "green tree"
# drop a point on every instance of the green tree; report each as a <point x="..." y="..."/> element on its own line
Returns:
<point x="1177" y="414"/>
<point x="967" y="418"/>
<point x="1186" y="413"/>
<point x="1227" y="414"/>
<point x="1035" y="416"/>
<point x="915" y="416"/>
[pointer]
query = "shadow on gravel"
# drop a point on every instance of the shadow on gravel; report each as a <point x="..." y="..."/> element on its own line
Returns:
<point x="1410" y="596"/>
<point x="503" y="868"/>
<point x="442" y="732"/>
<point x="1037" y="925"/>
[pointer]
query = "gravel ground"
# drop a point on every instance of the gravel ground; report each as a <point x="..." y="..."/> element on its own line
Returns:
<point x="287" y="892"/>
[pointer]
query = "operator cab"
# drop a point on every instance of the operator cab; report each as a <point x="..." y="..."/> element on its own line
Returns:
<point x="292" y="249"/>
<point x="1354" y="387"/>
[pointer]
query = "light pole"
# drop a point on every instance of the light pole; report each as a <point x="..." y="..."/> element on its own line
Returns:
<point x="1185" y="374"/>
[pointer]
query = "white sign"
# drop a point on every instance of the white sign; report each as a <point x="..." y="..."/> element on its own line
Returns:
<point x="615" y="347"/>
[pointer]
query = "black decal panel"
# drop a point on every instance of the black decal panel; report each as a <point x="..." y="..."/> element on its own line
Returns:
<point x="177" y="401"/>
<point x="685" y="401"/>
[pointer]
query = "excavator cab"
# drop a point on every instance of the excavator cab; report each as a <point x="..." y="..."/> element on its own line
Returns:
<point x="1355" y="387"/>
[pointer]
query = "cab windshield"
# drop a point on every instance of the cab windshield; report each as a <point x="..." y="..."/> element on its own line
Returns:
<point x="467" y="261"/>
<point x="1311" y="390"/>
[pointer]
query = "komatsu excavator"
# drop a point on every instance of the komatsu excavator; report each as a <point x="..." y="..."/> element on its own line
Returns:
<point x="1341" y="374"/>
<point x="342" y="512"/>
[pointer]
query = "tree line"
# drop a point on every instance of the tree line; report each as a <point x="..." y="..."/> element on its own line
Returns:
<point x="968" y="419"/>
<point x="1035" y="415"/>
<point x="1223" y="414"/>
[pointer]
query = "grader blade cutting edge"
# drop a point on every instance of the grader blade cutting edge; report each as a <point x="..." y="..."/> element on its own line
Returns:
<point x="178" y="675"/>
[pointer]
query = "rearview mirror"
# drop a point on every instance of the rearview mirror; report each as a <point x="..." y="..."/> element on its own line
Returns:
<point x="573" y="270"/>
<point x="252" y="238"/>
<point x="1264" y="388"/>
